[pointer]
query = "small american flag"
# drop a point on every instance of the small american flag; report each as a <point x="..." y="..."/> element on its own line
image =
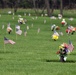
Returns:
<point x="70" y="46"/>
<point x="17" y="27"/>
<point x="19" y="32"/>
<point x="7" y="41"/>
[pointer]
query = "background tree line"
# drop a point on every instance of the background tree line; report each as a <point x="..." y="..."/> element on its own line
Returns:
<point x="67" y="4"/>
<point x="50" y="5"/>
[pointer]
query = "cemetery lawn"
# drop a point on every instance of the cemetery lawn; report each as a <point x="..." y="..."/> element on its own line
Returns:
<point x="35" y="54"/>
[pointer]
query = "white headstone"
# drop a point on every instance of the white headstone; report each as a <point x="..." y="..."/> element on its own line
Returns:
<point x="9" y="12"/>
<point x="33" y="18"/>
<point x="36" y="17"/>
<point x="41" y="15"/>
<point x="13" y="14"/>
<point x="44" y="21"/>
<point x="0" y="15"/>
<point x="2" y="26"/>
<point x="27" y="27"/>
<point x="29" y="14"/>
<point x="38" y="30"/>
<point x="24" y="14"/>
<point x="25" y="33"/>
<point x="46" y="15"/>
<point x="13" y="18"/>
<point x="32" y="25"/>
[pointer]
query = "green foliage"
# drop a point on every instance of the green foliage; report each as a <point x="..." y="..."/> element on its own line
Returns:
<point x="34" y="54"/>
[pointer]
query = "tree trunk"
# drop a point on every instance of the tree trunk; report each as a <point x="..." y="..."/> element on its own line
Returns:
<point x="34" y="5"/>
<point x="4" y="5"/>
<point x="15" y="9"/>
<point x="16" y="4"/>
<point x="61" y="7"/>
<point x="48" y="7"/>
<point x="52" y="8"/>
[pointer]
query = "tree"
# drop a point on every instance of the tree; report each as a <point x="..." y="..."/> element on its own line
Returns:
<point x="53" y="5"/>
<point x="16" y="4"/>
<point x="61" y="7"/>
<point x="4" y="3"/>
<point x="48" y="7"/>
<point x="34" y="4"/>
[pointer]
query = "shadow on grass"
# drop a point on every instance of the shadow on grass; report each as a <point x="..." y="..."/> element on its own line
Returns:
<point x="5" y="52"/>
<point x="1" y="58"/>
<point x="73" y="54"/>
<point x="68" y="61"/>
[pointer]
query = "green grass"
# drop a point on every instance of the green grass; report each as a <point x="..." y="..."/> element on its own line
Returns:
<point x="66" y="13"/>
<point x="34" y="54"/>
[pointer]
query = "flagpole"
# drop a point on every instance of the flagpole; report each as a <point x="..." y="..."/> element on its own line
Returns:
<point x="15" y="32"/>
<point x="16" y="36"/>
<point x="4" y="47"/>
